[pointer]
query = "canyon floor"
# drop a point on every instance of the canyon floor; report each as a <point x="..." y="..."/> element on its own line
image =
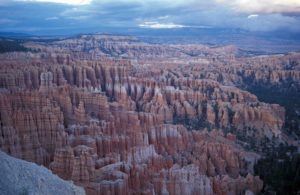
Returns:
<point x="117" y="115"/>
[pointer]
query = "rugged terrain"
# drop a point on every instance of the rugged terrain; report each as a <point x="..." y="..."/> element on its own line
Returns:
<point x="21" y="177"/>
<point x="120" y="116"/>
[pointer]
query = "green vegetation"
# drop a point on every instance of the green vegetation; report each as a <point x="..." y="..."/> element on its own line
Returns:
<point x="11" y="45"/>
<point x="280" y="171"/>
<point x="286" y="96"/>
<point x="192" y="123"/>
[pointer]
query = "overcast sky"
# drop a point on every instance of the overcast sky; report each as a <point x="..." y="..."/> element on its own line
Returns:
<point x="32" y="16"/>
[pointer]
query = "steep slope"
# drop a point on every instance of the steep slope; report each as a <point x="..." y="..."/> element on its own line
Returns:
<point x="21" y="177"/>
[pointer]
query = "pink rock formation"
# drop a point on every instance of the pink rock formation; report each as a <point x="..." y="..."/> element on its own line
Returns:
<point x="108" y="124"/>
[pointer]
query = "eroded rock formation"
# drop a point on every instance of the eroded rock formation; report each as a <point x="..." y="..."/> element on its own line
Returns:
<point x="119" y="126"/>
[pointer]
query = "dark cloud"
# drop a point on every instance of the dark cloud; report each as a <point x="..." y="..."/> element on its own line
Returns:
<point x="57" y="18"/>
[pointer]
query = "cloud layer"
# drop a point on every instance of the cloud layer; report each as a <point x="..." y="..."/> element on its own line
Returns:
<point x="157" y="25"/>
<point x="68" y="2"/>
<point x="61" y="16"/>
<point x="263" y="6"/>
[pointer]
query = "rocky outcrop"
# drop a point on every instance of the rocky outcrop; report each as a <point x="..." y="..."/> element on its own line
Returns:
<point x="31" y="126"/>
<point x="105" y="147"/>
<point x="203" y="100"/>
<point x="154" y="122"/>
<point x="21" y="177"/>
<point x="167" y="151"/>
<point x="46" y="81"/>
